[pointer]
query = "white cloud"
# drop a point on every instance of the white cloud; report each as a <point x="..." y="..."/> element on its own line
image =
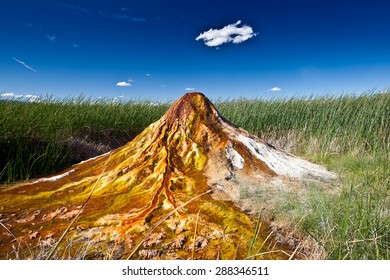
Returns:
<point x="148" y="75"/>
<point x="24" y="64"/>
<point x="126" y="17"/>
<point x="189" y="88"/>
<point x="27" y="97"/>
<point x="275" y="89"/>
<point x="7" y="94"/>
<point x="31" y="97"/>
<point x="51" y="38"/>
<point x="229" y="33"/>
<point x="127" y="83"/>
<point x="77" y="8"/>
<point x="120" y="17"/>
<point x="138" y="19"/>
<point x="102" y="14"/>
<point x="74" y="45"/>
<point x="123" y="84"/>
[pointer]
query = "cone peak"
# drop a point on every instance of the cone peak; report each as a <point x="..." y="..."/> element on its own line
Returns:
<point x="191" y="95"/>
<point x="190" y="105"/>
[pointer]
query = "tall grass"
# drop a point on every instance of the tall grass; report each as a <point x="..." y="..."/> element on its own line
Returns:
<point x="38" y="138"/>
<point x="355" y="223"/>
<point x="354" y="122"/>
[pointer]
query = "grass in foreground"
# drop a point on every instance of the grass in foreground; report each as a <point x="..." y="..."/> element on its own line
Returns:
<point x="349" y="134"/>
<point x="351" y="223"/>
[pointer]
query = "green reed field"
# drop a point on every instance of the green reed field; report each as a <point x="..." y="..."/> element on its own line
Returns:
<point x="348" y="134"/>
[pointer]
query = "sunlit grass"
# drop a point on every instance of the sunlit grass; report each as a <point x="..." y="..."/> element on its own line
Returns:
<point x="36" y="138"/>
<point x="348" y="123"/>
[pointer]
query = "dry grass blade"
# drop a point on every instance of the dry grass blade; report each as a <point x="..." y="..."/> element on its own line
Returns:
<point x="265" y="241"/>
<point x="365" y="240"/>
<point x="196" y="228"/>
<point x="10" y="232"/>
<point x="236" y="251"/>
<point x="78" y="213"/>
<point x="269" y="252"/>
<point x="162" y="220"/>
<point x="295" y="251"/>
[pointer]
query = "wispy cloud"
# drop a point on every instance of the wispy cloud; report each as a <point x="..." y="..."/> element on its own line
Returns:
<point x="275" y="89"/>
<point x="120" y="17"/>
<point x="124" y="9"/>
<point x="24" y="64"/>
<point x="31" y="97"/>
<point x="51" y="38"/>
<point x="77" y="8"/>
<point x="21" y="97"/>
<point x="74" y="45"/>
<point x="127" y="83"/>
<point x="103" y="14"/>
<point x="138" y="19"/>
<point x="189" y="88"/>
<point x="8" y="94"/>
<point x="230" y="33"/>
<point x="126" y="17"/>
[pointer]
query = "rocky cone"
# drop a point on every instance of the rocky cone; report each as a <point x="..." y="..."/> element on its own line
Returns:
<point x="173" y="192"/>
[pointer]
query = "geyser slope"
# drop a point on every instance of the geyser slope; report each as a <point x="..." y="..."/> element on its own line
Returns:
<point x="188" y="152"/>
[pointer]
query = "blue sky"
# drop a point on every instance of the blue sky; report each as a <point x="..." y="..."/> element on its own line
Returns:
<point x="148" y="49"/>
